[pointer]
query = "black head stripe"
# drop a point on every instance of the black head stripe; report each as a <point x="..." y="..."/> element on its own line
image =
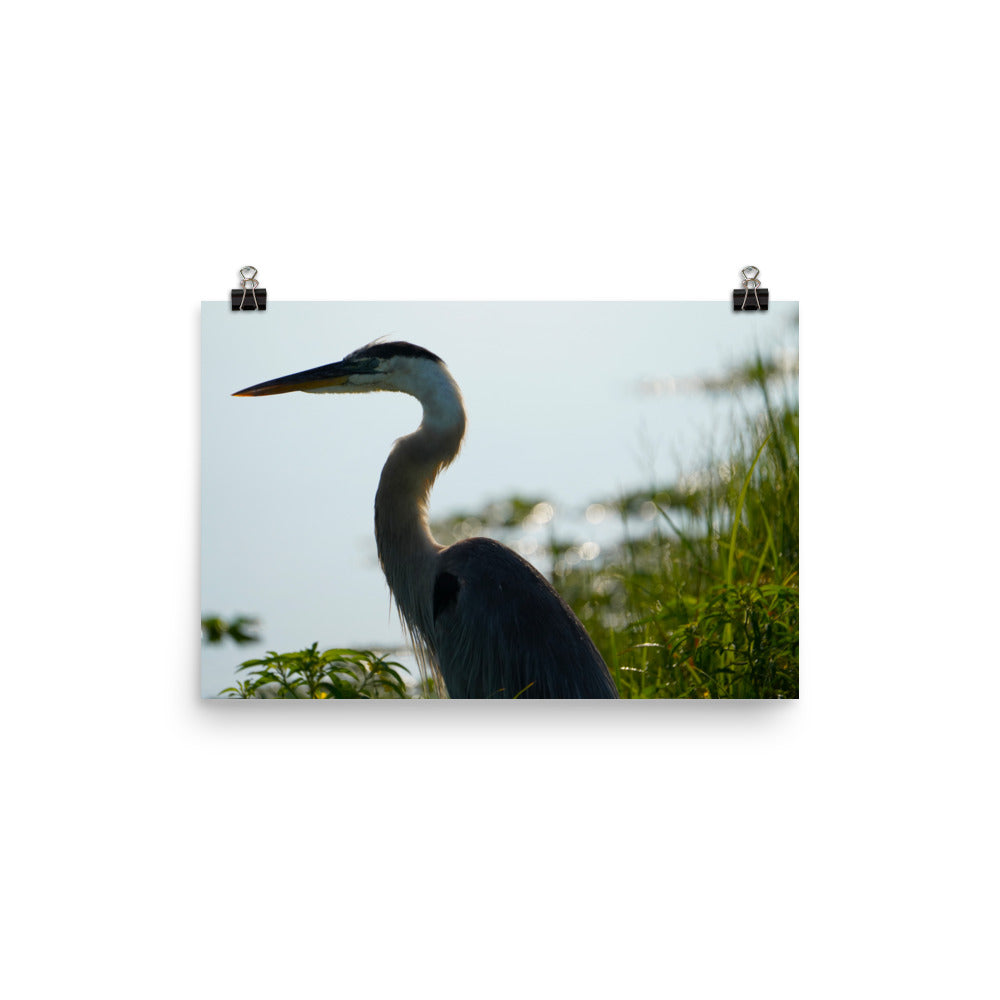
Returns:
<point x="394" y="349"/>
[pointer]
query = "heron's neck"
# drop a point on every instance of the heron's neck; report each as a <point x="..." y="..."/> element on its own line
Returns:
<point x="406" y="547"/>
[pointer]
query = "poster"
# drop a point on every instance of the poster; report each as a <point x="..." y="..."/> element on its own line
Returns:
<point x="641" y="456"/>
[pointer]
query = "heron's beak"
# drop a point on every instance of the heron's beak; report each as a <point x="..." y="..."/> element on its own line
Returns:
<point x="307" y="381"/>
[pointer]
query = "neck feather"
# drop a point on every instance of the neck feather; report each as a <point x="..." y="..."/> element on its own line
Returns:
<point x="406" y="547"/>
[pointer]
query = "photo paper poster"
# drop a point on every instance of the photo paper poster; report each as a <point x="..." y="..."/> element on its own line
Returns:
<point x="637" y="462"/>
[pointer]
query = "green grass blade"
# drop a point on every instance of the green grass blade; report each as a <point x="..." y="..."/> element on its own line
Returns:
<point x="738" y="513"/>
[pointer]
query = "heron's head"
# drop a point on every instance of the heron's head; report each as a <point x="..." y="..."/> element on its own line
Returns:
<point x="395" y="366"/>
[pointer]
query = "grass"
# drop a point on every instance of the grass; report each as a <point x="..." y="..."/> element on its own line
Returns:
<point x="706" y="604"/>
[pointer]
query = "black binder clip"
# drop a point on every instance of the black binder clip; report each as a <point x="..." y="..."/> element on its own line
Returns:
<point x="741" y="296"/>
<point x="256" y="301"/>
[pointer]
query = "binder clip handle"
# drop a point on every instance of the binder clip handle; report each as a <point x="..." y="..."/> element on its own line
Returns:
<point x="249" y="283"/>
<point x="751" y="280"/>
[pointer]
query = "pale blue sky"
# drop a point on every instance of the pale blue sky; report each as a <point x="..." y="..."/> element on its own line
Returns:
<point x="552" y="392"/>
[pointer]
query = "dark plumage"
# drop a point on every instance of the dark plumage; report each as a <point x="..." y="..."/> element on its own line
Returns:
<point x="512" y="633"/>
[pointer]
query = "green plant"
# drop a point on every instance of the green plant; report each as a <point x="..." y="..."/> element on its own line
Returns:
<point x="334" y="673"/>
<point x="242" y="629"/>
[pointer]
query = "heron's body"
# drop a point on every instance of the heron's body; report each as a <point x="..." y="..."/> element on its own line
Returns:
<point x="488" y="606"/>
<point x="488" y="620"/>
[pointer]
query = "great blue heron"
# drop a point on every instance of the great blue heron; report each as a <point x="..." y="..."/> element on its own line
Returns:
<point x="488" y="620"/>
